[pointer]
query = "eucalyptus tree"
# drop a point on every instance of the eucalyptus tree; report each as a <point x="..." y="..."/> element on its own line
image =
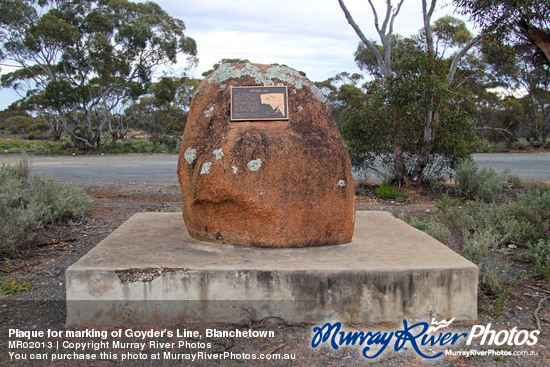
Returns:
<point x="528" y="87"/>
<point x="383" y="68"/>
<point x="342" y="91"/>
<point x="453" y="33"/>
<point x="82" y="60"/>
<point x="163" y="110"/>
<point x="427" y="84"/>
<point x="369" y="130"/>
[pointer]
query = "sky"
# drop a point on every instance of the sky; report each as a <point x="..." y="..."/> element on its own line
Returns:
<point x="312" y="36"/>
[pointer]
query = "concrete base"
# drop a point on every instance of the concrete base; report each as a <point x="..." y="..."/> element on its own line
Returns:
<point x="150" y="270"/>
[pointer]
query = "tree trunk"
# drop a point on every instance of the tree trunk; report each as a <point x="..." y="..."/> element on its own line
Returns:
<point x="55" y="127"/>
<point x="430" y="126"/>
<point x="540" y="38"/>
<point x="398" y="162"/>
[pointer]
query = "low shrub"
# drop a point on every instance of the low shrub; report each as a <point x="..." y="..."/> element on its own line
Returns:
<point x="532" y="212"/>
<point x="522" y="144"/>
<point x="431" y="226"/>
<point x="144" y="146"/>
<point x="452" y="214"/>
<point x="479" y="245"/>
<point x="27" y="204"/>
<point x="16" y="144"/>
<point x="486" y="146"/>
<point x="386" y="192"/>
<point x="539" y="255"/>
<point x="167" y="142"/>
<point x="486" y="184"/>
<point x="485" y="225"/>
<point x="163" y="144"/>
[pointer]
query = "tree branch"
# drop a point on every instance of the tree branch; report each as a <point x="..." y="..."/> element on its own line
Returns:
<point x="540" y="38"/>
<point x="394" y="15"/>
<point x="363" y="39"/>
<point x="376" y="24"/>
<point x="387" y="18"/>
<point x="459" y="55"/>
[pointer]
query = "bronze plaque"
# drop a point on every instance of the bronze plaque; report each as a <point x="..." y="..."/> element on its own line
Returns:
<point x="259" y="103"/>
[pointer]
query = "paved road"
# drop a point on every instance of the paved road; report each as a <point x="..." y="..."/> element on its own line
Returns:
<point x="530" y="166"/>
<point x="162" y="167"/>
<point x="104" y="168"/>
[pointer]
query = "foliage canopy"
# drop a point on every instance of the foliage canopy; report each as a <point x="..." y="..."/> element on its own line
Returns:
<point x="513" y="21"/>
<point x="83" y="59"/>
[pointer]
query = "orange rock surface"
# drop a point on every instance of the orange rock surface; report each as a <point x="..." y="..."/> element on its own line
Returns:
<point x="265" y="183"/>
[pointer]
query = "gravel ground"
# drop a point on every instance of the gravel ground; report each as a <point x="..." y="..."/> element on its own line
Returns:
<point x="44" y="308"/>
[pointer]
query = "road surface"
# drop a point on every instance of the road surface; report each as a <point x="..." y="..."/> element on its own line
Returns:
<point x="162" y="167"/>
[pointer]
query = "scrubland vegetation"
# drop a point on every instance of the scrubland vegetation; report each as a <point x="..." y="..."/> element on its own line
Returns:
<point x="27" y="204"/>
<point x="486" y="216"/>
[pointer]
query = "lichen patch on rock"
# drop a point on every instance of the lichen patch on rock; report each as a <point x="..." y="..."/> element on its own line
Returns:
<point x="209" y="111"/>
<point x="205" y="169"/>
<point x="218" y="153"/>
<point x="254" y="165"/>
<point x="190" y="155"/>
<point x="274" y="72"/>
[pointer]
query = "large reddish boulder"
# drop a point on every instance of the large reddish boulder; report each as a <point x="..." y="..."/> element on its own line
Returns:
<point x="275" y="183"/>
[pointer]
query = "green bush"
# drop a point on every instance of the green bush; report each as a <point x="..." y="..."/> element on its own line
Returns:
<point x="532" y="212"/>
<point x="162" y="144"/>
<point x="524" y="220"/>
<point x="432" y="227"/>
<point x="522" y="144"/>
<point x="62" y="203"/>
<point x="488" y="146"/>
<point x="144" y="146"/>
<point x="452" y="214"/>
<point x="165" y="144"/>
<point x="16" y="144"/>
<point x="486" y="185"/>
<point x="539" y="255"/>
<point x="386" y="192"/>
<point x="479" y="245"/>
<point x="27" y="204"/>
